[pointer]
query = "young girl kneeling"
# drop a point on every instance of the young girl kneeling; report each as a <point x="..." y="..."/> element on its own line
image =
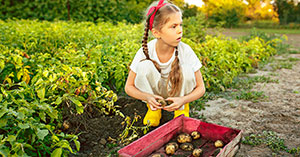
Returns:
<point x="165" y="68"/>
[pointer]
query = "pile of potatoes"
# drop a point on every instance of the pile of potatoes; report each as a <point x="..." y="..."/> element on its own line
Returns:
<point x="184" y="142"/>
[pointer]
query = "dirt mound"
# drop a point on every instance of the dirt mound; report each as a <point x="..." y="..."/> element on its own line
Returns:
<point x="99" y="133"/>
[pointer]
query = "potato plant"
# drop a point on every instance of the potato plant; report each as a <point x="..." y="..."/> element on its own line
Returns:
<point x="46" y="67"/>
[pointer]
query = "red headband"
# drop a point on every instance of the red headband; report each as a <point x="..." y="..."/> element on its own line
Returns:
<point x="153" y="10"/>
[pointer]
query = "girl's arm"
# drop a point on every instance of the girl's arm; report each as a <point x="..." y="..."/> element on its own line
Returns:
<point x="132" y="91"/>
<point x="194" y="95"/>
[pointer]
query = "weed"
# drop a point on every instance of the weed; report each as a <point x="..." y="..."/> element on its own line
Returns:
<point x="271" y="140"/>
<point x="131" y="130"/>
<point x="249" y="95"/>
<point x="248" y="82"/>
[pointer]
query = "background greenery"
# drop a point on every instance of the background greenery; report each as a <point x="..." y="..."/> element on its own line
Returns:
<point x="226" y="13"/>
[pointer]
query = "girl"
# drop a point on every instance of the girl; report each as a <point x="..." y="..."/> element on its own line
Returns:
<point x="165" y="68"/>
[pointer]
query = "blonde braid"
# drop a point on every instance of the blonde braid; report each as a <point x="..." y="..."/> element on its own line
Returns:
<point x="175" y="77"/>
<point x="145" y="48"/>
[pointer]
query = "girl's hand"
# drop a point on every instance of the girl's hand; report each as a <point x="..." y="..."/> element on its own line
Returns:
<point x="152" y="102"/>
<point x="178" y="102"/>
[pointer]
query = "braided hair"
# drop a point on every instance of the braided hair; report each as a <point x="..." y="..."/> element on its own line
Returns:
<point x="175" y="76"/>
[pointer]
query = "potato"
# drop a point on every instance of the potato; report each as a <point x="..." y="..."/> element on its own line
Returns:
<point x="157" y="155"/>
<point x="219" y="144"/>
<point x="162" y="102"/>
<point x="187" y="147"/>
<point x="66" y="125"/>
<point x="195" y="135"/>
<point x="184" y="138"/>
<point x="173" y="143"/>
<point x="170" y="149"/>
<point x="197" y="152"/>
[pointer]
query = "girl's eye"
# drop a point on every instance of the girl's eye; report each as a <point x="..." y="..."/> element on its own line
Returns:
<point x="173" y="26"/>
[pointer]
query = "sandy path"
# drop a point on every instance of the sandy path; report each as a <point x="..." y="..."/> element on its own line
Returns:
<point x="280" y="112"/>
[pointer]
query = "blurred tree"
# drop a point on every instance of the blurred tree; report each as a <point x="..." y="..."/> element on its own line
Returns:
<point x="260" y="10"/>
<point x="228" y="12"/>
<point x="288" y="11"/>
<point x="190" y="10"/>
<point x="179" y="3"/>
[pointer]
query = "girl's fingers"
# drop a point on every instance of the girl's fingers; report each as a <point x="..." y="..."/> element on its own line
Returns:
<point x="158" y="97"/>
<point x="156" y="104"/>
<point x="152" y="108"/>
<point x="170" y="107"/>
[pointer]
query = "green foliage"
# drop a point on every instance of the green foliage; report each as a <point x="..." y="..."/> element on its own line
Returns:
<point x="195" y="28"/>
<point x="47" y="67"/>
<point x="131" y="132"/>
<point x="248" y="82"/>
<point x="190" y="10"/>
<point x="271" y="140"/>
<point x="224" y="59"/>
<point x="288" y="11"/>
<point x="249" y="95"/>
<point x="276" y="40"/>
<point x="227" y="12"/>
<point x="84" y="10"/>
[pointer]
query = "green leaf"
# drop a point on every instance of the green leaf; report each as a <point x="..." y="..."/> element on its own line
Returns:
<point x="58" y="101"/>
<point x="23" y="126"/>
<point x="4" y="151"/>
<point x="75" y="101"/>
<point x="28" y="146"/>
<point x="77" y="143"/>
<point x="1" y="97"/>
<point x="41" y="93"/>
<point x="4" y="92"/>
<point x="79" y="107"/>
<point x="55" y="138"/>
<point x="3" y="110"/>
<point x="57" y="152"/>
<point x="3" y="122"/>
<point x="42" y="133"/>
<point x="11" y="138"/>
<point x="45" y="73"/>
<point x="42" y="116"/>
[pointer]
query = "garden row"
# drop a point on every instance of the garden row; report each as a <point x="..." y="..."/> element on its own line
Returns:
<point x="47" y="68"/>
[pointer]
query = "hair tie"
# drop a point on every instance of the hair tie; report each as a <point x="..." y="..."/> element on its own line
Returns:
<point x="152" y="11"/>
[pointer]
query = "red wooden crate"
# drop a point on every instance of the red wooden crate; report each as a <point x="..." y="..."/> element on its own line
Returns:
<point x="156" y="139"/>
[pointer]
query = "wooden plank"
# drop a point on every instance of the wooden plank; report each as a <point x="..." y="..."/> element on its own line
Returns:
<point x="233" y="151"/>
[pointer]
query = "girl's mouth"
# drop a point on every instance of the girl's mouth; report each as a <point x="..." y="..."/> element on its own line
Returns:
<point x="179" y="38"/>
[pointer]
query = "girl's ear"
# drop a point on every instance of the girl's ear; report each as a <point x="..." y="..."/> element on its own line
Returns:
<point x="155" y="33"/>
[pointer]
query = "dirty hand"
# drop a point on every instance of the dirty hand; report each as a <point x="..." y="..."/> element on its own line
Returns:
<point x="177" y="103"/>
<point x="152" y="101"/>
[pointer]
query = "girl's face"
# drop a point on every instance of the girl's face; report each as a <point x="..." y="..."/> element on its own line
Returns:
<point x="171" y="32"/>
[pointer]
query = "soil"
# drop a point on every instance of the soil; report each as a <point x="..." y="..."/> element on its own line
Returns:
<point x="99" y="133"/>
<point x="279" y="112"/>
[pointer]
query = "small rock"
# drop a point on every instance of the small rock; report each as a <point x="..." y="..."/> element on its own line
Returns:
<point x="94" y="143"/>
<point x="102" y="141"/>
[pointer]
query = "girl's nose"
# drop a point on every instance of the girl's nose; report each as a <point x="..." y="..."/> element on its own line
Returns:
<point x="179" y="30"/>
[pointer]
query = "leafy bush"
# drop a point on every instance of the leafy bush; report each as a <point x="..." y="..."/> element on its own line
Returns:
<point x="84" y="10"/>
<point x="275" y="40"/>
<point x="195" y="28"/>
<point x="224" y="59"/>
